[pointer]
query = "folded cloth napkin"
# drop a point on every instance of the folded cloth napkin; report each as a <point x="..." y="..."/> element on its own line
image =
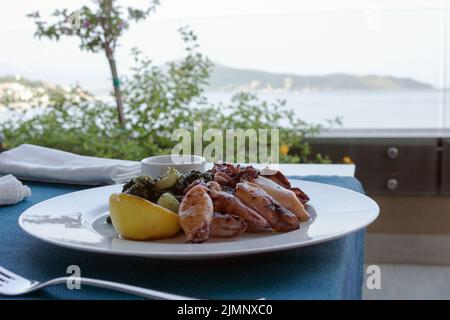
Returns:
<point x="35" y="163"/>
<point x="12" y="190"/>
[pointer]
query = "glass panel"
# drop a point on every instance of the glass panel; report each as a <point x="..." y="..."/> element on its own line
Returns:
<point x="446" y="70"/>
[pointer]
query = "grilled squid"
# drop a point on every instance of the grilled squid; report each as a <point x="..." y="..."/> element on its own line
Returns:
<point x="226" y="225"/>
<point x="259" y="200"/>
<point x="195" y="214"/>
<point x="285" y="197"/>
<point x="227" y="203"/>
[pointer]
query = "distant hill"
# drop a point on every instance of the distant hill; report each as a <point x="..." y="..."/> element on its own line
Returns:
<point x="229" y="79"/>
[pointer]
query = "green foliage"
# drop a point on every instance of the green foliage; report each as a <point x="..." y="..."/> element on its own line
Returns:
<point x="97" y="27"/>
<point x="157" y="101"/>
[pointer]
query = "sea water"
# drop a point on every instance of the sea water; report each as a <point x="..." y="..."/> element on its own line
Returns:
<point x="358" y="109"/>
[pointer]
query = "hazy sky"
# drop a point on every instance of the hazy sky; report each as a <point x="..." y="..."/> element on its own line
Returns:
<point x="394" y="37"/>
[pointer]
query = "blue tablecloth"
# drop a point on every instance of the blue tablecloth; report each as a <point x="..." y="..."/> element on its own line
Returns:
<point x="332" y="270"/>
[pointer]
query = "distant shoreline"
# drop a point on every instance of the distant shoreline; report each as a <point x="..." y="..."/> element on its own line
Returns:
<point x="224" y="78"/>
<point x="369" y="109"/>
<point x="295" y="92"/>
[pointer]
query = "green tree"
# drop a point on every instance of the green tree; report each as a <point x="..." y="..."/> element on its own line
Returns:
<point x="98" y="28"/>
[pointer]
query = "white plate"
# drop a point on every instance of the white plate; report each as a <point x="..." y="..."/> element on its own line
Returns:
<point x="77" y="220"/>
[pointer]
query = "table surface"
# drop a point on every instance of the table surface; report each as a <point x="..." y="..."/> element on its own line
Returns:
<point x="331" y="270"/>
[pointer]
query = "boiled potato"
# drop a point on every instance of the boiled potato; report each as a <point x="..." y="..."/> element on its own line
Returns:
<point x="168" y="201"/>
<point x="167" y="181"/>
<point x="138" y="219"/>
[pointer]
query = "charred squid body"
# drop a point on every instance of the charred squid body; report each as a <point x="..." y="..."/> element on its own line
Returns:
<point x="283" y="196"/>
<point x="226" y="225"/>
<point x="276" y="176"/>
<point x="227" y="203"/>
<point x="279" y="178"/>
<point x="195" y="214"/>
<point x="256" y="198"/>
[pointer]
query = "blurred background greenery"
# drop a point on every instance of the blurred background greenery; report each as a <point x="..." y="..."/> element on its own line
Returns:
<point x="148" y="105"/>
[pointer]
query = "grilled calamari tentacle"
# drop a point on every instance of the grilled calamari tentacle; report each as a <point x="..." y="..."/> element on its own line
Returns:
<point x="226" y="225"/>
<point x="195" y="214"/>
<point x="228" y="174"/>
<point x="256" y="198"/>
<point x="224" y="179"/>
<point x="285" y="197"/>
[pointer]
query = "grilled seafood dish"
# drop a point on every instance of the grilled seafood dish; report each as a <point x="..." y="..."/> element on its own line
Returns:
<point x="222" y="202"/>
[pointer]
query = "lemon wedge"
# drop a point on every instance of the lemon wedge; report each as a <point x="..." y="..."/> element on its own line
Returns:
<point x="138" y="219"/>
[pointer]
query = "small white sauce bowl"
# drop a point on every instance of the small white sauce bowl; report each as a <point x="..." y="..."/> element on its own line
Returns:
<point x="157" y="166"/>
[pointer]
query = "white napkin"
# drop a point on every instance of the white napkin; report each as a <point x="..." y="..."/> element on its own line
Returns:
<point x="30" y="162"/>
<point x="12" y="190"/>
